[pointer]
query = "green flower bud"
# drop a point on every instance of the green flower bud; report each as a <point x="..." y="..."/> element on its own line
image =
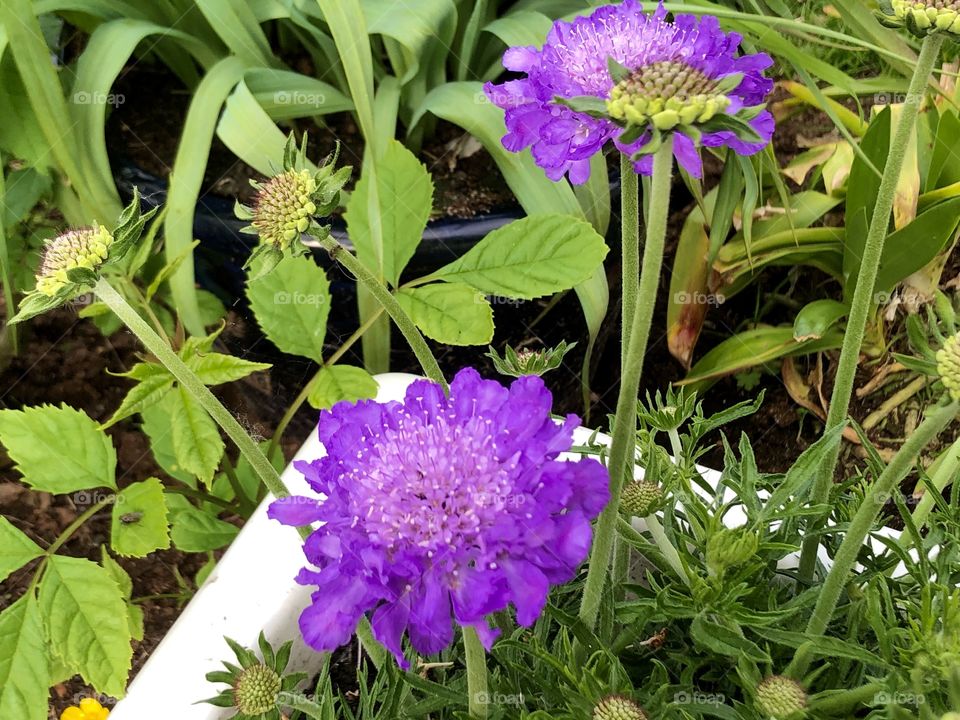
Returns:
<point x="666" y="94"/>
<point x="284" y="208"/>
<point x="618" y="707"/>
<point x="640" y="498"/>
<point x="729" y="548"/>
<point x="948" y="366"/>
<point x="85" y="248"/>
<point x="529" y="362"/>
<point x="922" y="17"/>
<point x="781" y="697"/>
<point x="256" y="690"/>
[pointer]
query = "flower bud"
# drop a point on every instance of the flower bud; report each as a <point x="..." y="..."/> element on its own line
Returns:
<point x="618" y="707"/>
<point x="729" y="548"/>
<point x="256" y="690"/>
<point x="640" y="498"/>
<point x="948" y="366"/>
<point x="780" y="697"/>
<point x="85" y="248"/>
<point x="922" y="17"/>
<point x="284" y="208"/>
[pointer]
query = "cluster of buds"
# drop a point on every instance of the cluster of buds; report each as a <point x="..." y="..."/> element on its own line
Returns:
<point x="948" y="366"/>
<point x="618" y="707"/>
<point x="779" y="698"/>
<point x="529" y="362"/>
<point x="730" y="547"/>
<point x="287" y="206"/>
<point x="640" y="498"/>
<point x="922" y="18"/>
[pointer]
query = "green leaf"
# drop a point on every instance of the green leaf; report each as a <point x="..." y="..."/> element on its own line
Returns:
<point x="123" y="581"/>
<point x="24" y="668"/>
<point x="58" y="449"/>
<point x="16" y="549"/>
<point x="147" y="392"/>
<point x="291" y="304"/>
<point x="816" y="318"/>
<point x="217" y="368"/>
<point x="86" y="619"/>
<point x="193" y="530"/>
<point x="529" y="258"/>
<point x="139" y="524"/>
<point x="341" y="382"/>
<point x="451" y="313"/>
<point x="158" y="426"/>
<point x="196" y="440"/>
<point x="401" y="201"/>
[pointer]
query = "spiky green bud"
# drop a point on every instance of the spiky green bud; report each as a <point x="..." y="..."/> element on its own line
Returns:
<point x="618" y="707"/>
<point x="948" y="366"/>
<point x="780" y="697"/>
<point x="640" y="498"/>
<point x="81" y="249"/>
<point x="284" y="208"/>
<point x="730" y="547"/>
<point x="529" y="362"/>
<point x="256" y="690"/>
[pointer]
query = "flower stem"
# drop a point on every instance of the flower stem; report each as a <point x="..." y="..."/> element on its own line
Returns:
<point x="629" y="249"/>
<point x="863" y="293"/>
<point x="863" y="522"/>
<point x="389" y="303"/>
<point x="623" y="444"/>
<point x="670" y="553"/>
<point x="476" y="673"/>
<point x="77" y="524"/>
<point x="192" y="384"/>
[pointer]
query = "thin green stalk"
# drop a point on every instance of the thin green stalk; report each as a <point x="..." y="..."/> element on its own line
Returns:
<point x="863" y="522"/>
<point x="77" y="524"/>
<point x="305" y="391"/>
<point x="670" y="553"/>
<point x="476" y="674"/>
<point x="6" y="273"/>
<point x="623" y="444"/>
<point x="192" y="384"/>
<point x="629" y="250"/>
<point x="389" y="303"/>
<point x="941" y="478"/>
<point x="862" y="300"/>
<point x="844" y="704"/>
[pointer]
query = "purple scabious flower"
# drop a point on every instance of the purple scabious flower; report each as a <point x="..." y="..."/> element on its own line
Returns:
<point x="440" y="509"/>
<point x="652" y="75"/>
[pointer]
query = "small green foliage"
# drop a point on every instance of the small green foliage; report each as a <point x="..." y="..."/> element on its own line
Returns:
<point x="529" y="362"/>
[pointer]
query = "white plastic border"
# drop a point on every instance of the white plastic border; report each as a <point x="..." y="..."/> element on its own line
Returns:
<point x="252" y="588"/>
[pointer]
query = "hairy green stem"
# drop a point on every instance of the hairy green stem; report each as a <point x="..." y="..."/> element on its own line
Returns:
<point x="193" y="385"/>
<point x="389" y="303"/>
<point x="77" y="524"/>
<point x="863" y="296"/>
<point x="942" y="477"/>
<point x="623" y="444"/>
<point x="477" y="687"/>
<point x="863" y="522"/>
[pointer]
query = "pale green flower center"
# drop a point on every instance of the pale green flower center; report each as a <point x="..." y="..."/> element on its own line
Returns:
<point x="284" y="207"/>
<point x="83" y="248"/>
<point x="948" y="366"/>
<point x="666" y="94"/>
<point x="256" y="690"/>
<point x="617" y="707"/>
<point x="929" y="16"/>
<point x="781" y="697"/>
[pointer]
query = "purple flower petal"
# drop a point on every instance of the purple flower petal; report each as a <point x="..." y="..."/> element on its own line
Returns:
<point x="295" y="510"/>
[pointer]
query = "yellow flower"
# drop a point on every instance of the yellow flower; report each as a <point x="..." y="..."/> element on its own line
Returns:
<point x="89" y="709"/>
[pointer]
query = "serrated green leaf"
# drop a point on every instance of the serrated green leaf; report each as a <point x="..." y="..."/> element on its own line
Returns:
<point x="58" y="449"/>
<point x="291" y="305"/>
<point x="158" y="427"/>
<point x="139" y="523"/>
<point x="386" y="235"/>
<point x="16" y="549"/>
<point x="529" y="258"/>
<point x="194" y="530"/>
<point x="341" y="382"/>
<point x="24" y="668"/>
<point x="147" y="392"/>
<point x="451" y="313"/>
<point x="86" y="619"/>
<point x="196" y="441"/>
<point x="123" y="581"/>
<point x="217" y="368"/>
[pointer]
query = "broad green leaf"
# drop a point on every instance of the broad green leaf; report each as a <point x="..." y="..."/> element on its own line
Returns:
<point x="194" y="530"/>
<point x="24" y="668"/>
<point x="816" y="318"/>
<point x="291" y="304"/>
<point x="123" y="581"/>
<point x="285" y="95"/>
<point x="404" y="199"/>
<point x="148" y="391"/>
<point x="217" y="368"/>
<point x="16" y="549"/>
<point x="237" y="26"/>
<point x="450" y="313"/>
<point x="413" y="30"/>
<point x="196" y="439"/>
<point x="86" y="620"/>
<point x="529" y="258"/>
<point x="58" y="449"/>
<point x="139" y="524"/>
<point x="341" y="382"/>
<point x="158" y="426"/>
